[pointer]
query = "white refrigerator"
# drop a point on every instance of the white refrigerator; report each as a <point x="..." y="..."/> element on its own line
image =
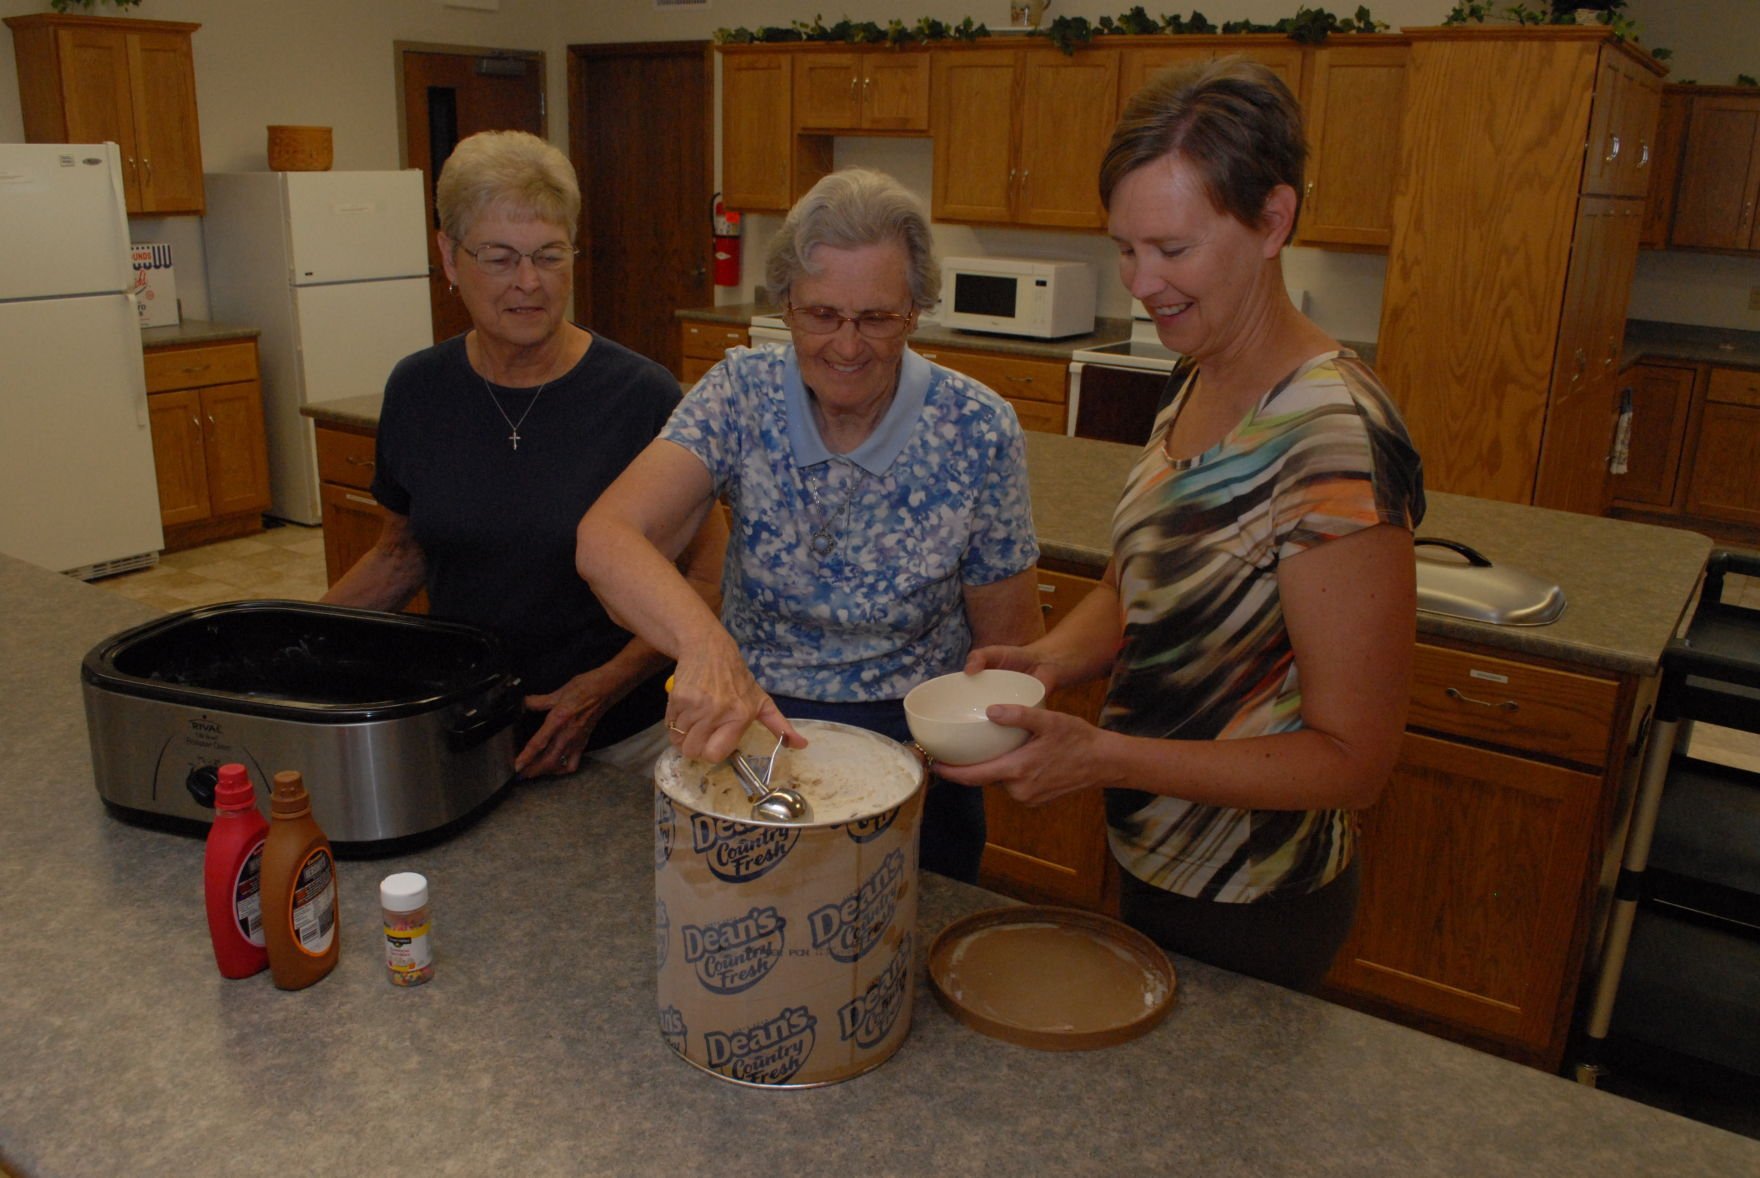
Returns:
<point x="77" y="492"/>
<point x="332" y="269"/>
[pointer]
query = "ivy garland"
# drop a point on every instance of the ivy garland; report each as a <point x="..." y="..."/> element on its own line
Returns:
<point x="1068" y="33"/>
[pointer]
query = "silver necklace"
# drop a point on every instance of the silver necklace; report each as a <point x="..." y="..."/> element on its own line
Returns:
<point x="825" y="540"/>
<point x="512" y="425"/>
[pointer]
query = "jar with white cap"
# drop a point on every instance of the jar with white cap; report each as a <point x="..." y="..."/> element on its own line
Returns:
<point x="408" y="956"/>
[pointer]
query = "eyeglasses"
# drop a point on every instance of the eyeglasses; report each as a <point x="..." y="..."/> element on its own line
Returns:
<point x="826" y="320"/>
<point x="492" y="257"/>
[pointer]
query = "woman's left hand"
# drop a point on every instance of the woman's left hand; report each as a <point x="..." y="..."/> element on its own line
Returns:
<point x="1060" y="756"/>
<point x="574" y="710"/>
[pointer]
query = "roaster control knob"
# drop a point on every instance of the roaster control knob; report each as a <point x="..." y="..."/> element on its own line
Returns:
<point x="201" y="782"/>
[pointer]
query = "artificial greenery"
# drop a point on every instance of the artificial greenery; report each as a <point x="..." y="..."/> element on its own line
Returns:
<point x="64" y="5"/>
<point x="1068" y="33"/>
<point x="1547" y="12"/>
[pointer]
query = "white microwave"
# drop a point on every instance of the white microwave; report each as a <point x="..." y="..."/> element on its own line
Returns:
<point x="1040" y="297"/>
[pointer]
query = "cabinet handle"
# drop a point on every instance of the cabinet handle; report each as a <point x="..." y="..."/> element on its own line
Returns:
<point x="1613" y="150"/>
<point x="366" y="462"/>
<point x="1508" y="705"/>
<point x="196" y="424"/>
<point x="852" y="85"/>
<point x="211" y="421"/>
<point x="1643" y="156"/>
<point x="362" y="499"/>
<point x="1020" y="379"/>
<point x="195" y="368"/>
<point x="148" y="165"/>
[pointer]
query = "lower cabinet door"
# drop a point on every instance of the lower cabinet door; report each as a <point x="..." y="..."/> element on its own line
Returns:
<point x="237" y="454"/>
<point x="1473" y="867"/>
<point x="178" y="456"/>
<point x="351" y="527"/>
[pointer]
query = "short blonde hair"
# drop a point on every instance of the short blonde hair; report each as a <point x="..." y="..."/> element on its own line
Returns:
<point x="512" y="170"/>
<point x="854" y="207"/>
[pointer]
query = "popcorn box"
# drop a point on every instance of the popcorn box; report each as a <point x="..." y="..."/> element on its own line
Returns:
<point x="155" y="284"/>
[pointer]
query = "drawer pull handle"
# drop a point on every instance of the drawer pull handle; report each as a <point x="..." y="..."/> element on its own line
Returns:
<point x="1508" y="705"/>
<point x="195" y="368"/>
<point x="366" y="462"/>
<point x="362" y="499"/>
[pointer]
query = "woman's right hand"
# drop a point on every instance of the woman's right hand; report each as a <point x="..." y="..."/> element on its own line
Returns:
<point x="714" y="699"/>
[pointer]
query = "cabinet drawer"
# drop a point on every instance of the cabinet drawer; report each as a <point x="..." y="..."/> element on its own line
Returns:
<point x="189" y="368"/>
<point x="1518" y="705"/>
<point x="707" y="341"/>
<point x="1734" y="386"/>
<point x="345" y="458"/>
<point x="1014" y="377"/>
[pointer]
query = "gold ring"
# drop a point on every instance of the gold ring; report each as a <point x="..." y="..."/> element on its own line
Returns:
<point x="671" y="727"/>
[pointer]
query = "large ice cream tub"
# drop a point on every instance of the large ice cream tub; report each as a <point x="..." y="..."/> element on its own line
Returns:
<point x="786" y="949"/>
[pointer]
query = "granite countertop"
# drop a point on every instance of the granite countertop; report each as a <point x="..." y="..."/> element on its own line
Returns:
<point x="1700" y="345"/>
<point x="535" y="1050"/>
<point x="361" y="412"/>
<point x="194" y="331"/>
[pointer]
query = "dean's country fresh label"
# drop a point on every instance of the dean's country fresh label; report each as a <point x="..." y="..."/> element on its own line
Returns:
<point x="734" y="955"/>
<point x="662" y="932"/>
<point x="665" y="819"/>
<point x="739" y="852"/>
<point x="672" y="1028"/>
<point x="853" y="925"/>
<point x="868" y="1018"/>
<point x="866" y="830"/>
<point x="768" y="1052"/>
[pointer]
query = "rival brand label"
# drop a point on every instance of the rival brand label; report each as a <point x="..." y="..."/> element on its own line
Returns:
<point x="672" y="1028"/>
<point x="770" y="1052"/>
<point x="738" y="852"/>
<point x="665" y="821"/>
<point x="851" y="927"/>
<point x="869" y="1017"/>
<point x="662" y="932"/>
<point x="866" y="830"/>
<point x="735" y="955"/>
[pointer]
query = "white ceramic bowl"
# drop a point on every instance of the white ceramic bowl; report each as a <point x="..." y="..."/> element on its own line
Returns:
<point x="946" y="714"/>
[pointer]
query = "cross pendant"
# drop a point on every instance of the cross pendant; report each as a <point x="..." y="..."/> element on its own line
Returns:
<point x="514" y="438"/>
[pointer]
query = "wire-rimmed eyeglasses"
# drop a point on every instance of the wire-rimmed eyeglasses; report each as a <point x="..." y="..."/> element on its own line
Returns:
<point x="826" y="320"/>
<point x="493" y="257"/>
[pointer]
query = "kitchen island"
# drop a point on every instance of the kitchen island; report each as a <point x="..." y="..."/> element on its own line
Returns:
<point x="535" y="1051"/>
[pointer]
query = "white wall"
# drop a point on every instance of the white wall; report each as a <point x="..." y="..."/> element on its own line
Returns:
<point x="331" y="62"/>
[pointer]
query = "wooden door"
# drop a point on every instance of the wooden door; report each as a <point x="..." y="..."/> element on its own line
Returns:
<point x="895" y="91"/>
<point x="1068" y="107"/>
<point x="179" y="465"/>
<point x="972" y="95"/>
<point x="1720" y="175"/>
<point x="1665" y="168"/>
<point x="647" y="241"/>
<point x="1355" y="99"/>
<point x="1138" y="66"/>
<point x="448" y="95"/>
<point x="1662" y="396"/>
<point x="163" y="77"/>
<point x="235" y="450"/>
<point x="97" y="96"/>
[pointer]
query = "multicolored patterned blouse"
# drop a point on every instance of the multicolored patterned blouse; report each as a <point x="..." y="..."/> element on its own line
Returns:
<point x="845" y="572"/>
<point x="1205" y="654"/>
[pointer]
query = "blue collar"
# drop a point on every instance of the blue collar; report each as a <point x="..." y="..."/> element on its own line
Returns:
<point x="881" y="447"/>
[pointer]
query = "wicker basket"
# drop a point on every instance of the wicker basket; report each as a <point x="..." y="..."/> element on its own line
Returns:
<point x="299" y="149"/>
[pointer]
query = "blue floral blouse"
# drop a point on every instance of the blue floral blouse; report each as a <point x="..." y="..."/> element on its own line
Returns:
<point x="845" y="572"/>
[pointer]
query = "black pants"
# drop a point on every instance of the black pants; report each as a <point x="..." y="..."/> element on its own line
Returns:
<point x="1290" y="941"/>
<point x="953" y="815"/>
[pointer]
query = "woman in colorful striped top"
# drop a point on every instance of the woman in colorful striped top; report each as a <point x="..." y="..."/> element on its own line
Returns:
<point x="1257" y="618"/>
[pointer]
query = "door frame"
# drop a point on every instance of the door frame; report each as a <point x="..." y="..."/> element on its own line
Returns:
<point x="399" y="48"/>
<point x="579" y="55"/>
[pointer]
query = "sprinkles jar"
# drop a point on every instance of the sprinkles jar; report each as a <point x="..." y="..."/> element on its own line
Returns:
<point x="408" y="957"/>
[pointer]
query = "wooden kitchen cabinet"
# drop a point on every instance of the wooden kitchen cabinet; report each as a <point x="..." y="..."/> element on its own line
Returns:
<point x="1353" y="103"/>
<point x="210" y="453"/>
<point x="1019" y="135"/>
<point x="702" y="343"/>
<point x="1479" y="860"/>
<point x="1621" y="152"/>
<point x="764" y="164"/>
<point x="84" y="79"/>
<point x="1726" y="457"/>
<point x="1665" y="169"/>
<point x="1720" y="172"/>
<point x="1502" y="268"/>
<point x="1038" y="389"/>
<point x="1056" y="853"/>
<point x="1662" y="401"/>
<point x="352" y="517"/>
<point x="862" y="91"/>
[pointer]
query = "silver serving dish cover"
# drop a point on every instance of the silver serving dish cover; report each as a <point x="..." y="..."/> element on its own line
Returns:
<point x="1462" y="583"/>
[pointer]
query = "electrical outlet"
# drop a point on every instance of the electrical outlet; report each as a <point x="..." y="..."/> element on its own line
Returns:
<point x="1754" y="298"/>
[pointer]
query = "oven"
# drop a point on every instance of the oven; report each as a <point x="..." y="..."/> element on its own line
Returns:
<point x="1116" y="390"/>
<point x="769" y="329"/>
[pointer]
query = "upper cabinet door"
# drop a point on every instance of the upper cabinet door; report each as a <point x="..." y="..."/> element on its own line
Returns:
<point x="1622" y="127"/>
<point x="1665" y="167"/>
<point x="827" y="91"/>
<point x="974" y="110"/>
<point x="1356" y="99"/>
<point x="1714" y="204"/>
<point x="756" y="147"/>
<point x="163" y="75"/>
<point x="895" y="91"/>
<point x="1067" y="114"/>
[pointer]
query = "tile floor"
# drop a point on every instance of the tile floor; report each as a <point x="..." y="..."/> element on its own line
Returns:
<point x="288" y="562"/>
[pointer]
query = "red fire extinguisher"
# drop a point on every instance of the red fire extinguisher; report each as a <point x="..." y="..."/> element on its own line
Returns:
<point x="725" y="223"/>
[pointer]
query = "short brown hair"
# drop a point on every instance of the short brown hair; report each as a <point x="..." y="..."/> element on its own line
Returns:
<point x="1232" y="119"/>
<point x="514" y="171"/>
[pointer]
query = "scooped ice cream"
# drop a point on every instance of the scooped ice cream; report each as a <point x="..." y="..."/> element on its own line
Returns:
<point x="844" y="773"/>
